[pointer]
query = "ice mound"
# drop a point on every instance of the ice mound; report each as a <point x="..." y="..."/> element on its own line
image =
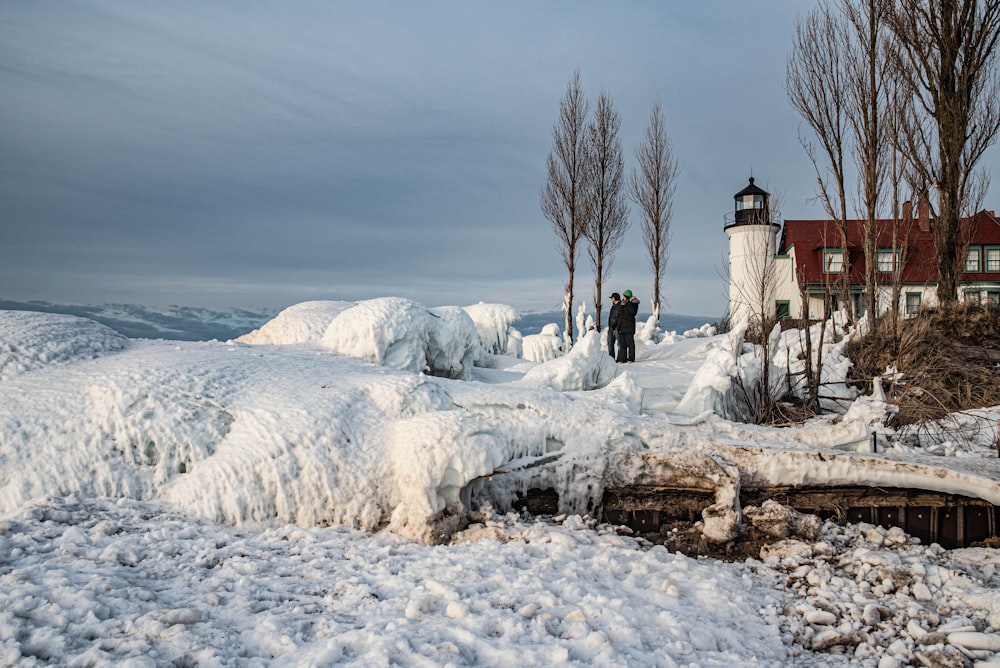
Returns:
<point x="586" y="367"/>
<point x="300" y="323"/>
<point x="402" y="334"/>
<point x="494" y="324"/>
<point x="391" y="331"/>
<point x="542" y="347"/>
<point x="31" y="341"/>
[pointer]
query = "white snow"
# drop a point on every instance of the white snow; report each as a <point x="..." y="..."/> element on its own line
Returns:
<point x="300" y="497"/>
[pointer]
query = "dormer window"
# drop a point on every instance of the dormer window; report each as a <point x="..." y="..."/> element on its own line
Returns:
<point x="833" y="261"/>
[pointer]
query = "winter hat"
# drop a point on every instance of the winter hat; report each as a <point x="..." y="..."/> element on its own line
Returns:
<point x="615" y="295"/>
<point x="628" y="293"/>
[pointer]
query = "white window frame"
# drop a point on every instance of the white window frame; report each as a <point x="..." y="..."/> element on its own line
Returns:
<point x="991" y="259"/>
<point x="884" y="260"/>
<point x="973" y="260"/>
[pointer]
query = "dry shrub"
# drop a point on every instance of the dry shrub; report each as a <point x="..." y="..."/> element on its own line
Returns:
<point x="947" y="359"/>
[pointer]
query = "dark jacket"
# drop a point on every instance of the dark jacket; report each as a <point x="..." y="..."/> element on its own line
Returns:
<point x="614" y="316"/>
<point x="626" y="317"/>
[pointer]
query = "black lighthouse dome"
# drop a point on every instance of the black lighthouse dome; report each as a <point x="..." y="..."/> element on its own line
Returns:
<point x="752" y="207"/>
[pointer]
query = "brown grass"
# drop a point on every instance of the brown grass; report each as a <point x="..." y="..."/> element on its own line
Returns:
<point x="948" y="360"/>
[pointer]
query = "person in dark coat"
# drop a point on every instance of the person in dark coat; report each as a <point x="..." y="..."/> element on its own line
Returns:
<point x="613" y="316"/>
<point x="626" y="328"/>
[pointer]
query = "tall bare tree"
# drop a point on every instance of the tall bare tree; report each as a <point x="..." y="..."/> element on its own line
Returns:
<point x="815" y="81"/>
<point x="607" y="219"/>
<point x="946" y="50"/>
<point x="652" y="189"/>
<point x="901" y="225"/>
<point x="563" y="199"/>
<point x="868" y="85"/>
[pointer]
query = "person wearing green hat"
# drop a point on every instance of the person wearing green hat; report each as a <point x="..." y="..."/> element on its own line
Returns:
<point x="626" y="328"/>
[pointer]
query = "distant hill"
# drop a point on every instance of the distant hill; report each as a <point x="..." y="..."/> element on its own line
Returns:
<point x="176" y="323"/>
<point x="185" y="323"/>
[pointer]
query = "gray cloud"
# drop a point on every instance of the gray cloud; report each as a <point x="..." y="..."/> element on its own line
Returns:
<point x="256" y="155"/>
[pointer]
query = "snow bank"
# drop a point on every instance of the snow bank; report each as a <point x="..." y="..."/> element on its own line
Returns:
<point x="300" y="323"/>
<point x="30" y="341"/>
<point x="828" y="341"/>
<point x="711" y="389"/>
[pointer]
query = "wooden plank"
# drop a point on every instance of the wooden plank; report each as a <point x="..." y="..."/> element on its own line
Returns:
<point x="978" y="524"/>
<point x="920" y="523"/>
<point x="949" y="536"/>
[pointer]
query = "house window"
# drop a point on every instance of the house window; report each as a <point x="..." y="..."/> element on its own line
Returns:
<point x="993" y="259"/>
<point x="833" y="261"/>
<point x="912" y="302"/>
<point x="993" y="299"/>
<point x="783" y="309"/>
<point x="972" y="265"/>
<point x="860" y="304"/>
<point x="884" y="261"/>
<point x="974" y="297"/>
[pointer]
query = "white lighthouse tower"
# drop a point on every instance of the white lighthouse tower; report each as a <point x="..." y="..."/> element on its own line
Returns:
<point x="752" y="272"/>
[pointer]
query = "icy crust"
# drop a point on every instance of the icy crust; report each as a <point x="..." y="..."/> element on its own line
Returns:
<point x="265" y="435"/>
<point x="30" y="341"/>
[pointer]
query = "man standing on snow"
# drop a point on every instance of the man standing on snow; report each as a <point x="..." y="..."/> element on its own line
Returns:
<point x="613" y="317"/>
<point x="626" y="328"/>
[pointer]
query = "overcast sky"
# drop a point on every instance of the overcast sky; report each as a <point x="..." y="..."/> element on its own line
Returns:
<point x="233" y="154"/>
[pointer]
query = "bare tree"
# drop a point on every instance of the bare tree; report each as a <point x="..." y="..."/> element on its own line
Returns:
<point x="816" y="80"/>
<point x="607" y="219"/>
<point x="563" y="199"/>
<point x="868" y="82"/>
<point x="652" y="189"/>
<point x="946" y="50"/>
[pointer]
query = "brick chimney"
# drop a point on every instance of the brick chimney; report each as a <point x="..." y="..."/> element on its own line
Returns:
<point x="924" y="215"/>
<point x="907" y="210"/>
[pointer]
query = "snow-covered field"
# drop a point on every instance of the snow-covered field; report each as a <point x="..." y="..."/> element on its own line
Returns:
<point x="301" y="496"/>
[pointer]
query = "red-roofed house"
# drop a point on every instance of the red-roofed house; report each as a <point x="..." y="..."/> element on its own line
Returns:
<point x="771" y="272"/>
